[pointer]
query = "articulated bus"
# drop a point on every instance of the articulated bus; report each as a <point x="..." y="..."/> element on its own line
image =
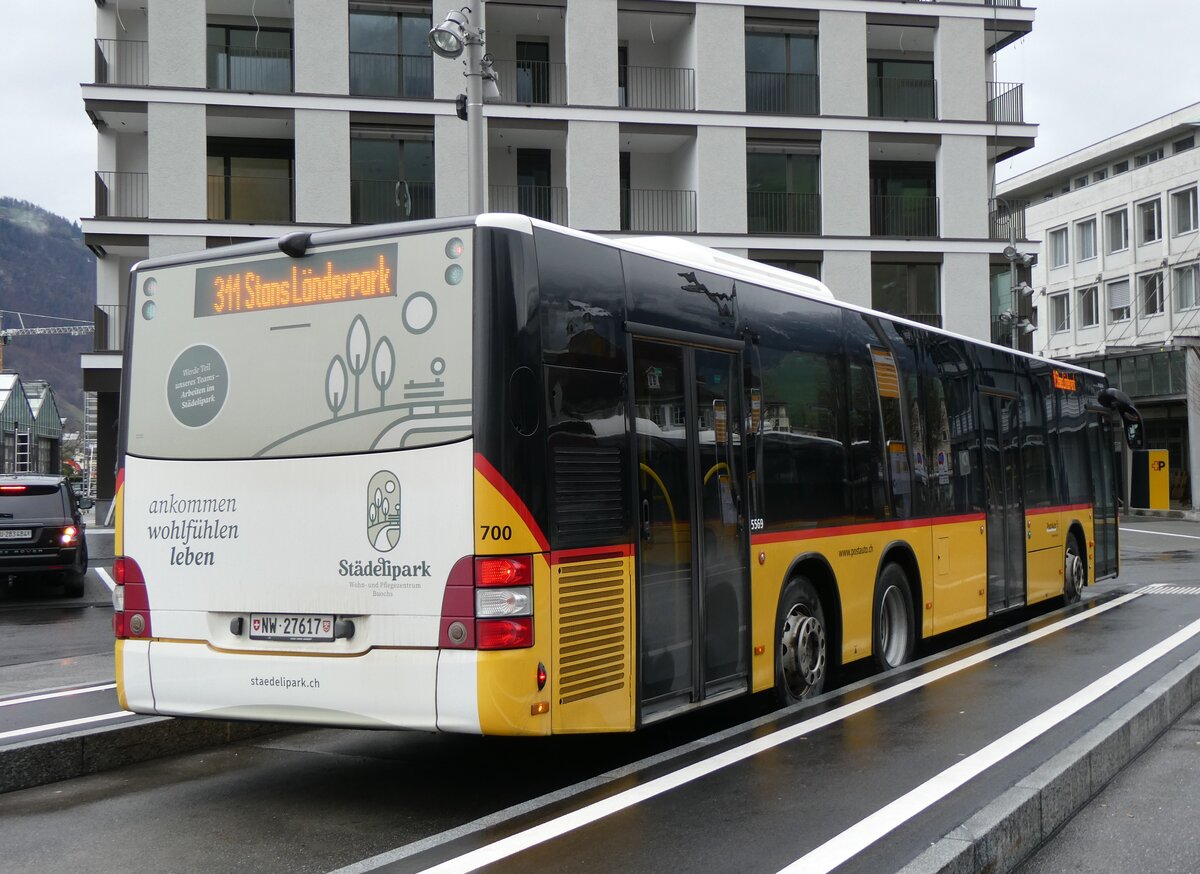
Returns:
<point x="491" y="475"/>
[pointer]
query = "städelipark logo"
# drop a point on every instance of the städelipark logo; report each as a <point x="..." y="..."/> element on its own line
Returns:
<point x="383" y="511"/>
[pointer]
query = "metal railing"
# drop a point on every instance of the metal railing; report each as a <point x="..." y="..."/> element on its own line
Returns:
<point x="659" y="211"/>
<point x="250" y="198"/>
<point x="373" y="201"/>
<point x="890" y="97"/>
<point x="904" y="216"/>
<point x="245" y="68"/>
<point x="1006" y="219"/>
<point x="532" y="82"/>
<point x="1006" y="102"/>
<point x="656" y="87"/>
<point x="122" y="62"/>
<point x="785" y="93"/>
<point x="122" y="195"/>
<point x="375" y="74"/>
<point x="109" y="323"/>
<point x="536" y="201"/>
<point x="781" y="212"/>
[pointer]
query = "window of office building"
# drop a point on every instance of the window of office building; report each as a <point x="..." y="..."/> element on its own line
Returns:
<point x="1120" y="167"/>
<point x="1059" y="254"/>
<point x="1148" y="157"/>
<point x="1182" y="145"/>
<point x="1100" y="175"/>
<point x="1060" y="313"/>
<point x="1149" y="221"/>
<point x="1116" y="231"/>
<point x="1081" y="181"/>
<point x="1150" y="287"/>
<point x="1085" y="239"/>
<point x="910" y="290"/>
<point x="1183" y="211"/>
<point x="1186" y="280"/>
<point x="1118" y="301"/>
<point x="1089" y="307"/>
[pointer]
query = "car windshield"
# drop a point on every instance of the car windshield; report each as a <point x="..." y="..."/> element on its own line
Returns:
<point x="23" y="502"/>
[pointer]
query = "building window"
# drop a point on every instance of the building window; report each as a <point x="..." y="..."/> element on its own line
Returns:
<point x="1183" y="145"/>
<point x="1183" y="211"/>
<point x="900" y="89"/>
<point x="1149" y="221"/>
<point x="249" y="59"/>
<point x="782" y="193"/>
<point x="1120" y="167"/>
<point x="1151" y="289"/>
<point x="1089" y="307"/>
<point x="390" y="54"/>
<point x="1116" y="231"/>
<point x="1100" y="175"/>
<point x="391" y="175"/>
<point x="1080" y="181"/>
<point x="1060" y="313"/>
<point x="1148" y="157"/>
<point x="250" y="180"/>
<point x="1059" y="254"/>
<point x="1186" y="286"/>
<point x="909" y="290"/>
<point x="1085" y="240"/>
<point x="1118" y="301"/>
<point x="781" y="73"/>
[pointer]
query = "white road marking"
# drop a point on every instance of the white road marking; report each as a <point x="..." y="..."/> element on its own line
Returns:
<point x="596" y="811"/>
<point x="49" y="696"/>
<point x="1159" y="533"/>
<point x="105" y="578"/>
<point x="70" y="723"/>
<point x="865" y="832"/>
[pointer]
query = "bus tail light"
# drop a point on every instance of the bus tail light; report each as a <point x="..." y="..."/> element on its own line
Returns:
<point x="504" y="602"/>
<point x="131" y="601"/>
<point x="508" y="570"/>
<point x="504" y="633"/>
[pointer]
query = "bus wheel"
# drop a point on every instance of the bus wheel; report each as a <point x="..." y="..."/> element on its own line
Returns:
<point x="893" y="639"/>
<point x="1074" y="571"/>
<point x="802" y="651"/>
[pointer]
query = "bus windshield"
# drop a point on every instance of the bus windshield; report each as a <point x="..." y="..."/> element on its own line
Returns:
<point x="351" y="348"/>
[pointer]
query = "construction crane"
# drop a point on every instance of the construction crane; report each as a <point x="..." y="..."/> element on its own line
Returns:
<point x="75" y="328"/>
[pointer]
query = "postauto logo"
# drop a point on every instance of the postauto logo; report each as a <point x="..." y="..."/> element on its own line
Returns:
<point x="383" y="511"/>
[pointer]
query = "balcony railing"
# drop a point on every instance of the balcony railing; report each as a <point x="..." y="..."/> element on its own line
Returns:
<point x="535" y="201"/>
<point x="904" y="216"/>
<point x="374" y="74"/>
<point x="656" y="87"/>
<point x="532" y="82"/>
<point x="122" y="62"/>
<point x="890" y="97"/>
<point x="781" y="212"/>
<point x="245" y="68"/>
<point x="658" y="211"/>
<point x="250" y="198"/>
<point x="374" y="201"/>
<point x="122" y="195"/>
<point x="1006" y="219"/>
<point x="1006" y="103"/>
<point x="109" y="323"/>
<point x="784" y="93"/>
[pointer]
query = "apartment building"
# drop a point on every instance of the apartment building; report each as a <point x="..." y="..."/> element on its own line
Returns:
<point x="854" y="140"/>
<point x="1118" y="278"/>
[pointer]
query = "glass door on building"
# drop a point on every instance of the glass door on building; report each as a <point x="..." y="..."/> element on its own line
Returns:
<point x="391" y="177"/>
<point x="533" y="72"/>
<point x="693" y="582"/>
<point x="390" y="54"/>
<point x="533" y="184"/>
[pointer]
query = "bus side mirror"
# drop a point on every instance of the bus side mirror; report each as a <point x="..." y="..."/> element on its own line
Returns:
<point x="1131" y="419"/>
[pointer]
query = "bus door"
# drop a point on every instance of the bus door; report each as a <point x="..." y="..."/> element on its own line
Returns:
<point x="1104" y="492"/>
<point x="693" y="581"/>
<point x="1005" y="508"/>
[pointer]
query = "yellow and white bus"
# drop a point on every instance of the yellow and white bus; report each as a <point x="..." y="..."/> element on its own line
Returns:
<point x="493" y="475"/>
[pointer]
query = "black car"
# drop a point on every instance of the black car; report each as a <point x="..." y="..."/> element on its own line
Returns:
<point x="42" y="531"/>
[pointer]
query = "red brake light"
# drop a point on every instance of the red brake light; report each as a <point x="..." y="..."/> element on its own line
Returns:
<point x="509" y="570"/>
<point x="131" y="601"/>
<point x="12" y="488"/>
<point x="504" y="633"/>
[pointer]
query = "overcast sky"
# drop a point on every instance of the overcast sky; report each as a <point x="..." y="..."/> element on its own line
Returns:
<point x="1091" y="69"/>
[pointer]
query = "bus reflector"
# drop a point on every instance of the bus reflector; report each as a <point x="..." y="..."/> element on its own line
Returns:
<point x="131" y="601"/>
<point x="504" y="633"/>
<point x="509" y="570"/>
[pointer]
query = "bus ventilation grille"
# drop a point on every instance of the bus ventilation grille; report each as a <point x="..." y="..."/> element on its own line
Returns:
<point x="593" y="628"/>
<point x="588" y="492"/>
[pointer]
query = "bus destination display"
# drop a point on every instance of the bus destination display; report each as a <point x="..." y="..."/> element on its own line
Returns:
<point x="357" y="274"/>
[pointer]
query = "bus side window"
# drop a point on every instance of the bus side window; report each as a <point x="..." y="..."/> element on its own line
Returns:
<point x="866" y="451"/>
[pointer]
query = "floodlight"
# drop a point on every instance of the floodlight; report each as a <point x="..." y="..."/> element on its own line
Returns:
<point x="449" y="38"/>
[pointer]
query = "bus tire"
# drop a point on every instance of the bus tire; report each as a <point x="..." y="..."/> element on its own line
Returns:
<point x="1074" y="570"/>
<point x="801" y="644"/>
<point x="893" y="640"/>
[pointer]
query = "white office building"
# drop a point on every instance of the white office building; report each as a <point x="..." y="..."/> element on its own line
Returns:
<point x="1118" y="276"/>
<point x="854" y="140"/>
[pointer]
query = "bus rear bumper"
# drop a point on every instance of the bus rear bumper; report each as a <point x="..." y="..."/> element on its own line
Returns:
<point x="382" y="688"/>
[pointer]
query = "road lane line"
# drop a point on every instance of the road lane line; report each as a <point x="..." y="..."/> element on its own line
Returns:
<point x="862" y="834"/>
<point x="596" y="811"/>
<point x="105" y="578"/>
<point x="70" y="723"/>
<point x="1159" y="533"/>
<point x="48" y="696"/>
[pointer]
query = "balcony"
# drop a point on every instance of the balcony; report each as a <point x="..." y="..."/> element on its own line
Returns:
<point x="904" y="216"/>
<point x="657" y="211"/>
<point x="890" y="97"/>
<point x="245" y="68"/>
<point x="656" y="87"/>
<point x="122" y="195"/>
<point x="783" y="93"/>
<point x="374" y="201"/>
<point x="375" y="74"/>
<point x="1005" y="103"/>
<point x="781" y="212"/>
<point x="1006" y="219"/>
<point x="532" y="82"/>
<point x="250" y="198"/>
<point x="535" y="201"/>
<point x="122" y="62"/>
<point x="109" y="333"/>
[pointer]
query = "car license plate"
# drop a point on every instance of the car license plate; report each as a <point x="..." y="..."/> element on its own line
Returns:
<point x="15" y="533"/>
<point x="290" y="626"/>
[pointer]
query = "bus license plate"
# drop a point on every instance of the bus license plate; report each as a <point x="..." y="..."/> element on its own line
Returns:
<point x="290" y="626"/>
